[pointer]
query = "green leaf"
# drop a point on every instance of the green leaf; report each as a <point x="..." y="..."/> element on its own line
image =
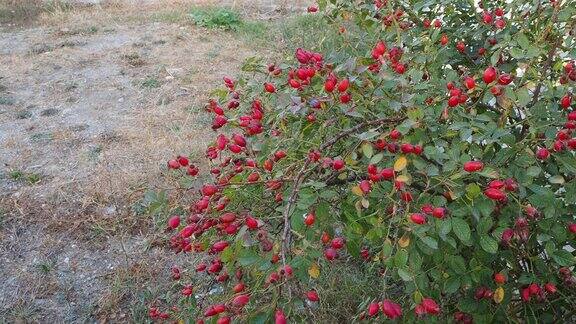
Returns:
<point x="260" y="318"/>
<point x="569" y="162"/>
<point x="430" y="242"/>
<point x="461" y="229"/>
<point x="488" y="244"/>
<point x="452" y="285"/>
<point x="533" y="171"/>
<point x="523" y="41"/>
<point x="322" y="211"/>
<point x="517" y="53"/>
<point x="484" y="225"/>
<point x="523" y="97"/>
<point x="404" y="274"/>
<point x="473" y="190"/>
<point x="485" y="207"/>
<point x="457" y="263"/>
<point x="376" y="158"/>
<point x="401" y="258"/>
<point x="247" y="257"/>
<point x="444" y="227"/>
<point x="367" y="150"/>
<point x="468" y="305"/>
<point x="563" y="258"/>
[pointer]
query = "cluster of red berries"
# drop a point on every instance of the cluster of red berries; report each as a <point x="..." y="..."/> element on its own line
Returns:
<point x="393" y="147"/>
<point x="382" y="54"/>
<point x="520" y="232"/>
<point x="427" y="23"/>
<point x="428" y="210"/>
<point x="535" y="290"/>
<point x="497" y="189"/>
<point x="489" y="18"/>
<point x="336" y="244"/>
<point x="427" y="306"/>
<point x="564" y="139"/>
<point x="284" y="272"/>
<point x="183" y="162"/>
<point x="394" y="17"/>
<point x="342" y="86"/>
<point x="389" y="308"/>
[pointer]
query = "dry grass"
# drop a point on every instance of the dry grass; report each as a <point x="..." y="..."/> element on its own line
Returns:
<point x="21" y="12"/>
<point x="83" y="206"/>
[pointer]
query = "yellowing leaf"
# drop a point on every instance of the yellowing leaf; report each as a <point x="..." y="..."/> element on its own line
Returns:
<point x="418" y="297"/>
<point x="314" y="271"/>
<point x="498" y="295"/>
<point x="357" y="191"/>
<point x="365" y="203"/>
<point x="358" y="206"/>
<point x="450" y="195"/>
<point x="400" y="164"/>
<point x="350" y="160"/>
<point x="403" y="178"/>
<point x="297" y="251"/>
<point x="404" y="241"/>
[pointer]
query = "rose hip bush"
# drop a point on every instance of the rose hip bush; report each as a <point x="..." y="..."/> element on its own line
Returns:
<point x="431" y="146"/>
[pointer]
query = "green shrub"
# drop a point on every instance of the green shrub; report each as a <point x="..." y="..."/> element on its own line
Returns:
<point x="420" y="168"/>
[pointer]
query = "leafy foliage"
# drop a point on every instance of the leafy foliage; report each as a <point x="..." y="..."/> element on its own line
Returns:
<point x="427" y="147"/>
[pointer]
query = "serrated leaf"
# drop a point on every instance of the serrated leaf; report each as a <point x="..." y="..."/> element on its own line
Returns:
<point x="400" y="164"/>
<point x="473" y="190"/>
<point x="401" y="258"/>
<point x="523" y="41"/>
<point x="523" y="96"/>
<point x="367" y="149"/>
<point x="376" y="158"/>
<point x="457" y="263"/>
<point x="563" y="258"/>
<point x="488" y="244"/>
<point x="489" y="173"/>
<point x="533" y="171"/>
<point x="461" y="228"/>
<point x="404" y="274"/>
<point x="484" y="225"/>
<point x="430" y="242"/>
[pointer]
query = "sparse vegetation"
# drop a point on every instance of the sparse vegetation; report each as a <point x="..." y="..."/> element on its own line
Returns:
<point x="216" y="17"/>
<point x="29" y="177"/>
<point x="151" y="83"/>
<point x="24" y="11"/>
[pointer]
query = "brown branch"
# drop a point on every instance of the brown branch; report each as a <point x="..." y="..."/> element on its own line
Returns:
<point x="302" y="175"/>
<point x="545" y="69"/>
<point x="535" y="97"/>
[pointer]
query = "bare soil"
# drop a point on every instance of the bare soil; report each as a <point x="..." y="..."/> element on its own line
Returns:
<point x="93" y="101"/>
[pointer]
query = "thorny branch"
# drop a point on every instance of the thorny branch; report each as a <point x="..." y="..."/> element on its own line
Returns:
<point x="302" y="175"/>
